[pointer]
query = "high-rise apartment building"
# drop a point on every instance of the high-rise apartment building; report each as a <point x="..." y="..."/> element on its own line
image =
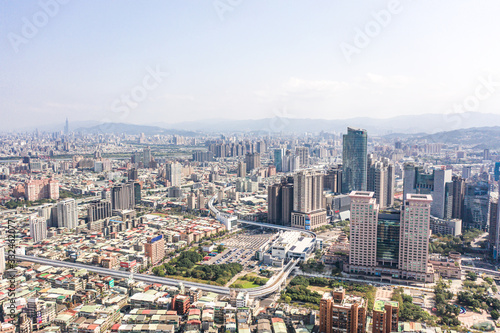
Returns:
<point x="154" y="249"/>
<point x="380" y="180"/>
<point x="280" y="203"/>
<point x="49" y="212"/>
<point x="99" y="210"/>
<point x="303" y="154"/>
<point x="241" y="171"/>
<point x="174" y="173"/>
<point x="191" y="202"/>
<point x="486" y="155"/>
<point x="496" y="171"/>
<point x="475" y="213"/>
<point x="203" y="156"/>
<point x="438" y="184"/>
<point x="363" y="240"/>
<point x="37" y="189"/>
<point x="123" y="196"/>
<point x="466" y="172"/>
<point x="458" y="189"/>
<point x="147" y="157"/>
<point x="67" y="214"/>
<point x="390" y="244"/>
<point x="291" y="163"/>
<point x="354" y="160"/>
<point x="341" y="313"/>
<point x="143" y="157"/>
<point x="414" y="237"/>
<point x="252" y="161"/>
<point x="132" y="174"/>
<point x="333" y="179"/>
<point x="309" y="210"/>
<point x="38" y="228"/>
<point x="385" y="317"/>
<point x="493" y="228"/>
<point x="137" y="193"/>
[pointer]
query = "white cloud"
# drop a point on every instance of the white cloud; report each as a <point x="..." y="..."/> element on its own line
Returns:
<point x="296" y="85"/>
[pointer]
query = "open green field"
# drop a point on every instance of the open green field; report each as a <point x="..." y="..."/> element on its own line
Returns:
<point x="246" y="284"/>
<point x="244" y="281"/>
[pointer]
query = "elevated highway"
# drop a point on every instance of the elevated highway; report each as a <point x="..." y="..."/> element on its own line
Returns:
<point x="274" y="284"/>
<point x="216" y="213"/>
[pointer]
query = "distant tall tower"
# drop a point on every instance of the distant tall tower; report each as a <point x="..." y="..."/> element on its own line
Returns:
<point x="66" y="127"/>
<point x="354" y="159"/>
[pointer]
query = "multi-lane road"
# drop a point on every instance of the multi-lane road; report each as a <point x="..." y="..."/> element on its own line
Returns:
<point x="272" y="285"/>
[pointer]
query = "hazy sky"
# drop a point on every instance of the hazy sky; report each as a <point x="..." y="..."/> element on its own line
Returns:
<point x="106" y="60"/>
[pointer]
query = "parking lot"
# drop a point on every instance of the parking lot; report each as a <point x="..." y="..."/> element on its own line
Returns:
<point x="248" y="241"/>
<point x="240" y="256"/>
<point x="241" y="249"/>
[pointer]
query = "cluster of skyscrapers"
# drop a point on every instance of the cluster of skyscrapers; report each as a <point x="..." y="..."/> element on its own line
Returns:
<point x="298" y="201"/>
<point x="390" y="245"/>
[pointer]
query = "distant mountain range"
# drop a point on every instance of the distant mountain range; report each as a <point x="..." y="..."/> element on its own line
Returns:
<point x="425" y="123"/>
<point x="398" y="126"/>
<point x="478" y="137"/>
<point x="132" y="129"/>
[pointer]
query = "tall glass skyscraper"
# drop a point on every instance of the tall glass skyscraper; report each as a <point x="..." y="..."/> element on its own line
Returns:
<point x="278" y="159"/>
<point x="354" y="160"/>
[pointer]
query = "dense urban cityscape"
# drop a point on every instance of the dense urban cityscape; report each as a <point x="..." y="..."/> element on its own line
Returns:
<point x="241" y="232"/>
<point x="232" y="166"/>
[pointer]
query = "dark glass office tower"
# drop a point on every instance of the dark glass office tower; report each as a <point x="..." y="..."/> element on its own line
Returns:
<point x="354" y="159"/>
<point x="388" y="227"/>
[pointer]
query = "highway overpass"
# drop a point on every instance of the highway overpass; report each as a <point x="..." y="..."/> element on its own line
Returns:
<point x="274" y="284"/>
<point x="216" y="212"/>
